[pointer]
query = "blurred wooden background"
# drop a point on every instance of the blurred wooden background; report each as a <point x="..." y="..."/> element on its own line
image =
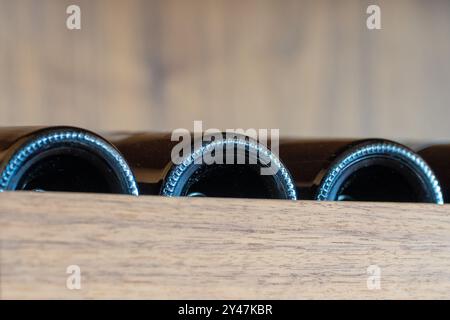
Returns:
<point x="310" y="68"/>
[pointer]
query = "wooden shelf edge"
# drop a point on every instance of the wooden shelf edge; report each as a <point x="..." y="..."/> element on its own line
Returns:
<point x="196" y="248"/>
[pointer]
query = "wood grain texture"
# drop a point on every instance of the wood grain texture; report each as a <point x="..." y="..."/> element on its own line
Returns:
<point x="309" y="68"/>
<point x="154" y="247"/>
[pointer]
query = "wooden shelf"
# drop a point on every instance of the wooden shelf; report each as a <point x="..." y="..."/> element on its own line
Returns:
<point x="194" y="248"/>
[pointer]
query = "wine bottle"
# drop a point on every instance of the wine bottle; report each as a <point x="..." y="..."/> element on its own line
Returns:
<point x="150" y="157"/>
<point x="62" y="159"/>
<point x="378" y="170"/>
<point x="438" y="157"/>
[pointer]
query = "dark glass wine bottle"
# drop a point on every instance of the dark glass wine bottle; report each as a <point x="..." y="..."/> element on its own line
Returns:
<point x="150" y="157"/>
<point x="438" y="157"/>
<point x="360" y="170"/>
<point x="62" y="159"/>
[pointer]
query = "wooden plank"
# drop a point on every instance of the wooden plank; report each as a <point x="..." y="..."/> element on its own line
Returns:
<point x="177" y="248"/>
